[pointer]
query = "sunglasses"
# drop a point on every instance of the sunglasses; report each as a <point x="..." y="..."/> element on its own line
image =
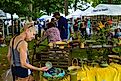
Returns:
<point x="30" y="26"/>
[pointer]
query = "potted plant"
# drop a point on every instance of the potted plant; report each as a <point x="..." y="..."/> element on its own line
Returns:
<point x="81" y="40"/>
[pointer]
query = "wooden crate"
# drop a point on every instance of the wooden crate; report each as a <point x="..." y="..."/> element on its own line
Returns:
<point x="60" y="58"/>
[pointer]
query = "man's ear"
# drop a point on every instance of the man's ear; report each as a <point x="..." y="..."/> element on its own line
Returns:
<point x="27" y="30"/>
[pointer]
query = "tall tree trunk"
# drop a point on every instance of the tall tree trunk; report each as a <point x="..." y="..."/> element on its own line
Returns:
<point x="30" y="8"/>
<point x="12" y="25"/>
<point x="66" y="7"/>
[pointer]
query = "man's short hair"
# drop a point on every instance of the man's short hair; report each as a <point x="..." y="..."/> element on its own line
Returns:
<point x="28" y="25"/>
<point x="56" y="13"/>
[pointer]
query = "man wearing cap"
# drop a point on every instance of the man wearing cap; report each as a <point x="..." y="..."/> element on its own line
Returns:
<point x="62" y="26"/>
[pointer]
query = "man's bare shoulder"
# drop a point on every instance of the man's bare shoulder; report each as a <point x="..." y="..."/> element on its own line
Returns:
<point x="23" y="43"/>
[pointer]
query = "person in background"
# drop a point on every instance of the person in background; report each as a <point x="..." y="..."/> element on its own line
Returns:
<point x="117" y="33"/>
<point x="22" y="22"/>
<point x="37" y="27"/>
<point x="18" y="54"/>
<point x="40" y="28"/>
<point x="1" y="39"/>
<point x="75" y="26"/>
<point x="83" y="27"/>
<point x="52" y="33"/>
<point x="62" y="25"/>
<point x="70" y="29"/>
<point x="46" y="24"/>
<point x="53" y="20"/>
<point x="88" y="28"/>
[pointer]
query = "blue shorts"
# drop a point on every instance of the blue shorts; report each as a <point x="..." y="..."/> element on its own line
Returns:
<point x="18" y="71"/>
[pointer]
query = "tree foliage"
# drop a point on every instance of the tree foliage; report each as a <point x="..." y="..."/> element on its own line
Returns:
<point x="48" y="6"/>
<point x="21" y="6"/>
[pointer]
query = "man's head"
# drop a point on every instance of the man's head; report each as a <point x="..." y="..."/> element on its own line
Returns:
<point x="51" y="25"/>
<point x="30" y="31"/>
<point x="56" y="15"/>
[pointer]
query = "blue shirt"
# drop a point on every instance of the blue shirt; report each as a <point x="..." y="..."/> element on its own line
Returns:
<point x="88" y="24"/>
<point x="63" y="27"/>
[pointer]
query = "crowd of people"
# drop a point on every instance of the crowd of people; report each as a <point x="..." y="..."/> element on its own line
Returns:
<point x="60" y="28"/>
<point x="57" y="29"/>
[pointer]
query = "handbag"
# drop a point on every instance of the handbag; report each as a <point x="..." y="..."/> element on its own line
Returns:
<point x="75" y="66"/>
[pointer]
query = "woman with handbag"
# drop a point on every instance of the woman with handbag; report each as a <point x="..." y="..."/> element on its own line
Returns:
<point x="18" y="55"/>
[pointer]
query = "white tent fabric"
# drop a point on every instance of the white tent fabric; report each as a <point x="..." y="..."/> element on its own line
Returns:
<point x="45" y="17"/>
<point x="75" y="14"/>
<point x="69" y="16"/>
<point x="87" y="11"/>
<point x="79" y="13"/>
<point x="106" y="9"/>
<point x="2" y="14"/>
<point x="15" y="16"/>
<point x="8" y="16"/>
<point x="62" y="14"/>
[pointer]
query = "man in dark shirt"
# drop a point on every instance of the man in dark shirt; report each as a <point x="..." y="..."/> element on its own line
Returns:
<point x="62" y="25"/>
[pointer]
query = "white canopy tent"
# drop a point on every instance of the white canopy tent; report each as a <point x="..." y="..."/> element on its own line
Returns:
<point x="106" y="9"/>
<point x="87" y="11"/>
<point x="15" y="16"/>
<point x="62" y="14"/>
<point x="75" y="14"/>
<point x="79" y="13"/>
<point x="2" y="15"/>
<point x="69" y="16"/>
<point x="45" y="17"/>
<point x="8" y="16"/>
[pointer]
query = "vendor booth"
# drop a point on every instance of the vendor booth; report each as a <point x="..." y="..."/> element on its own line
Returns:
<point x="106" y="9"/>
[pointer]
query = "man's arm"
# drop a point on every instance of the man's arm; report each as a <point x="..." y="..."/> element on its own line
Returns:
<point x="23" y="57"/>
<point x="41" y="40"/>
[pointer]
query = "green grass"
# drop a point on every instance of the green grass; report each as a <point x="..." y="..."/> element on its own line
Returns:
<point x="3" y="60"/>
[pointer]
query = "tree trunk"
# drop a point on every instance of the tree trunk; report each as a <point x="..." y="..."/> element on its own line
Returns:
<point x="30" y="8"/>
<point x="66" y="7"/>
<point x="12" y="25"/>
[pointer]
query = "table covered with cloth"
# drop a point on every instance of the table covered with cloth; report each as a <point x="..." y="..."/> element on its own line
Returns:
<point x="97" y="73"/>
<point x="110" y="73"/>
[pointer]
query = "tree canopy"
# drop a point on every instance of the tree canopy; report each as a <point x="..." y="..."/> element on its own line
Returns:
<point x="47" y="6"/>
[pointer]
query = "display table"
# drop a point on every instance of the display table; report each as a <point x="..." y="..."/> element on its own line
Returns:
<point x="88" y="73"/>
<point x="110" y="73"/>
